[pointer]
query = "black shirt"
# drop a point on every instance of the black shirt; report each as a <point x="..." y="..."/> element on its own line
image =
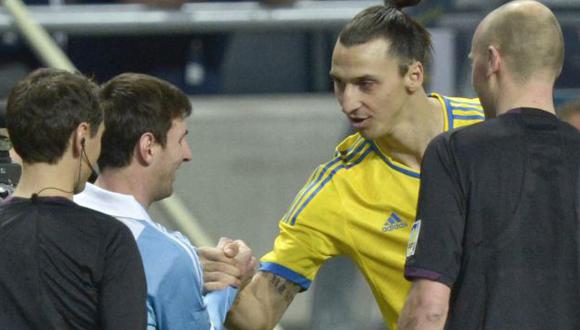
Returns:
<point x="497" y="223"/>
<point x="63" y="266"/>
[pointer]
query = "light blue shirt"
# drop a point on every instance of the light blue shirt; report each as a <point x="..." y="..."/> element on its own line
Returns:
<point x="173" y="271"/>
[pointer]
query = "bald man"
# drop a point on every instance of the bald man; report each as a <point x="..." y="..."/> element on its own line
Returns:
<point x="495" y="244"/>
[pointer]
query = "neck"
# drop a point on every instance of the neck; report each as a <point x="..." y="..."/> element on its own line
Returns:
<point x="128" y="181"/>
<point x="45" y="179"/>
<point x="527" y="95"/>
<point x="420" y="121"/>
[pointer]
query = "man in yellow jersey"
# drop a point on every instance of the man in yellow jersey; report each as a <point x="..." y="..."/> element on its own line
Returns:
<point x="361" y="203"/>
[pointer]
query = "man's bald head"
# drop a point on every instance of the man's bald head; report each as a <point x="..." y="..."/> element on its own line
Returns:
<point x="527" y="35"/>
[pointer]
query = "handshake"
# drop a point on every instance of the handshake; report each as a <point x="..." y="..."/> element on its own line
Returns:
<point x="230" y="263"/>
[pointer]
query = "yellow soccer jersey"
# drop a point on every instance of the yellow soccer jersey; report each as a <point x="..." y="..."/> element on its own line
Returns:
<point x="360" y="204"/>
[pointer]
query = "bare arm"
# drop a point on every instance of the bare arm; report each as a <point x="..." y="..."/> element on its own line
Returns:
<point x="426" y="306"/>
<point x="261" y="304"/>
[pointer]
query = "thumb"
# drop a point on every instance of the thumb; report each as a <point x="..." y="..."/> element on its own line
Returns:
<point x="223" y="242"/>
<point x="231" y="249"/>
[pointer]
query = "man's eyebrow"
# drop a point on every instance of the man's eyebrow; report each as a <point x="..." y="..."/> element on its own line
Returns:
<point x="366" y="77"/>
<point x="363" y="77"/>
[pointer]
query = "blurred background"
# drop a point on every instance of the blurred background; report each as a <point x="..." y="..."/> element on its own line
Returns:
<point x="264" y="114"/>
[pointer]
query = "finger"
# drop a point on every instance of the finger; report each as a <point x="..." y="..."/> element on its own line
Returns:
<point x="217" y="277"/>
<point x="254" y="263"/>
<point x="213" y="254"/>
<point x="243" y="258"/>
<point x="231" y="249"/>
<point x="221" y="267"/>
<point x="242" y="245"/>
<point x="214" y="286"/>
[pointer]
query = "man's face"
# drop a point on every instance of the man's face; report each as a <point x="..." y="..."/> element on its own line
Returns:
<point x="368" y="86"/>
<point x="170" y="158"/>
<point x="92" y="150"/>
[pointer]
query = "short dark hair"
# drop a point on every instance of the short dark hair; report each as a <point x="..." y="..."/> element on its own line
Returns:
<point x="135" y="104"/>
<point x="45" y="108"/>
<point x="409" y="41"/>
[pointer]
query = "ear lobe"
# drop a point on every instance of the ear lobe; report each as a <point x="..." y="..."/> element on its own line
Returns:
<point x="494" y="60"/>
<point x="414" y="77"/>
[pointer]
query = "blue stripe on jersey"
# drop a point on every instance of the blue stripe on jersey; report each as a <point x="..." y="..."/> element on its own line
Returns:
<point x="393" y="166"/>
<point x="286" y="273"/>
<point x="313" y="184"/>
<point x="328" y="178"/>
<point x="479" y="109"/>
<point x="467" y="102"/>
<point x="448" y="110"/>
<point x="472" y="117"/>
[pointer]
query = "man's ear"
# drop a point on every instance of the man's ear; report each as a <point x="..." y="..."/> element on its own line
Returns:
<point x="493" y="60"/>
<point x="144" y="150"/>
<point x="79" y="138"/>
<point x="414" y="77"/>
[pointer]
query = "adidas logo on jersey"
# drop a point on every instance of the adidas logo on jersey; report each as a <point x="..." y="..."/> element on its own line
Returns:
<point x="393" y="223"/>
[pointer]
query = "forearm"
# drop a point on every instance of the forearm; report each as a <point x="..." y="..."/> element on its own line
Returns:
<point x="261" y="304"/>
<point x="426" y="307"/>
<point x="421" y="319"/>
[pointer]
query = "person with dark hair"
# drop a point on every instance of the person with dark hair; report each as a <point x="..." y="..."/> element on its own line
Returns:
<point x="495" y="243"/>
<point x="62" y="266"/>
<point x="144" y="145"/>
<point x="361" y="203"/>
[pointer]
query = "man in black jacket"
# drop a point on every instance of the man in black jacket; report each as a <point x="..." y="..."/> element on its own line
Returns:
<point x="62" y="266"/>
<point x="494" y="244"/>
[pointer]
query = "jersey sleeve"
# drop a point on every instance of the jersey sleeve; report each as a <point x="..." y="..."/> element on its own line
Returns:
<point x="309" y="231"/>
<point x="218" y="304"/>
<point x="123" y="289"/>
<point x="435" y="245"/>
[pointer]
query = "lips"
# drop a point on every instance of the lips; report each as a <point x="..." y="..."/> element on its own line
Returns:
<point x="358" y="123"/>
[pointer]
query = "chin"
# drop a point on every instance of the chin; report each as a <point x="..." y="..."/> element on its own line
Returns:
<point x="164" y="194"/>
<point x="371" y="135"/>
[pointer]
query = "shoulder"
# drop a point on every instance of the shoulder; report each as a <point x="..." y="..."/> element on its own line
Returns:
<point x="458" y="102"/>
<point x="111" y="230"/>
<point x="165" y="249"/>
<point x="352" y="151"/>
<point x="460" y="111"/>
<point x="475" y="143"/>
<point x="168" y="259"/>
<point x="99" y="218"/>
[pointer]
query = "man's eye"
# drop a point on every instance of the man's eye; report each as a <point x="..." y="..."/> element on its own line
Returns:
<point x="366" y="84"/>
<point x="338" y="84"/>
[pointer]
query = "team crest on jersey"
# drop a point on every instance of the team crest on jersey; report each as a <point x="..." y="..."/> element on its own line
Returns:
<point x="413" y="238"/>
<point x="393" y="222"/>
